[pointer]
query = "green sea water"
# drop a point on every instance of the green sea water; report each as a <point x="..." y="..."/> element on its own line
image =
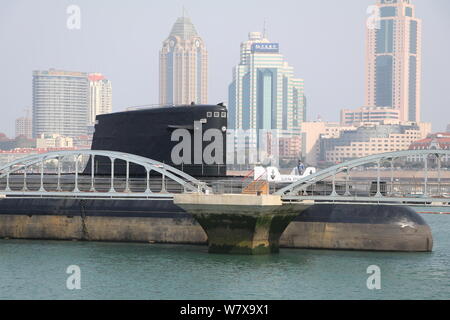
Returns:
<point x="38" y="270"/>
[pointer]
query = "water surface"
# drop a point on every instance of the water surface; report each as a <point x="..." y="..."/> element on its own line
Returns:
<point x="37" y="270"/>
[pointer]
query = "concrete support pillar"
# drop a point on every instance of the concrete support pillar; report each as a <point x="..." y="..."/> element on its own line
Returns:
<point x="240" y="224"/>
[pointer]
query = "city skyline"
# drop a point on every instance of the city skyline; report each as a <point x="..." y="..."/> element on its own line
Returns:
<point x="350" y="94"/>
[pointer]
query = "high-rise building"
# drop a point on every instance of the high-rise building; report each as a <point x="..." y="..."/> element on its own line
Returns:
<point x="393" y="59"/>
<point x="100" y="96"/>
<point x="24" y="127"/>
<point x="368" y="114"/>
<point x="264" y="93"/>
<point x="183" y="68"/>
<point x="60" y="103"/>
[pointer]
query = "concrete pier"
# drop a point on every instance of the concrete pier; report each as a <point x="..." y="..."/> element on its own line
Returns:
<point x="239" y="223"/>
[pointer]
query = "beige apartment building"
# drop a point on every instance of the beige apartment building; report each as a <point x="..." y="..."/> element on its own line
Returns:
<point x="24" y="127"/>
<point x="311" y="132"/>
<point x="370" y="139"/>
<point x="368" y="114"/>
<point x="53" y="141"/>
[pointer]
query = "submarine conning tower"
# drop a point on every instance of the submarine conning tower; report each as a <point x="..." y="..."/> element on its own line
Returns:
<point x="157" y="132"/>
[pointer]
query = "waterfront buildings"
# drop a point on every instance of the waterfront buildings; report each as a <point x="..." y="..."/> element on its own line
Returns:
<point x="53" y="141"/>
<point x="368" y="114"/>
<point x="183" y="68"/>
<point x="393" y="59"/>
<point x="19" y="142"/>
<point x="60" y="103"/>
<point x="370" y="139"/>
<point x="100" y="96"/>
<point x="311" y="132"/>
<point x="435" y="141"/>
<point x="24" y="127"/>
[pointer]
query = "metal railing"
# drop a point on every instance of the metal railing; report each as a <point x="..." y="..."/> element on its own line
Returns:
<point x="301" y="186"/>
<point x="62" y="174"/>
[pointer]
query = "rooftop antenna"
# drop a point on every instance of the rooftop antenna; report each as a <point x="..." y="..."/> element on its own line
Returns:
<point x="27" y="112"/>
<point x="184" y="12"/>
<point x="265" y="29"/>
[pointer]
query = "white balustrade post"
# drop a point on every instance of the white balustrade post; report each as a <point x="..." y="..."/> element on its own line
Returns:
<point x="92" y="173"/>
<point x="41" y="189"/>
<point x="112" y="190"/>
<point x="425" y="193"/>
<point x="378" y="195"/>
<point x="76" y="174"/>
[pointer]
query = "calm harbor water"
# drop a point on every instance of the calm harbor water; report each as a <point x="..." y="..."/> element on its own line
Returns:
<point x="37" y="270"/>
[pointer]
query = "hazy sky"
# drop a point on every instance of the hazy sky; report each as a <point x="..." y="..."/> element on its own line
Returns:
<point x="323" y="40"/>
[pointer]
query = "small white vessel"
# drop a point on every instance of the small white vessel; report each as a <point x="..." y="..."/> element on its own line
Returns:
<point x="272" y="174"/>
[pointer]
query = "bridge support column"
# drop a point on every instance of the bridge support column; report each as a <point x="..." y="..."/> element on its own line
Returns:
<point x="240" y="224"/>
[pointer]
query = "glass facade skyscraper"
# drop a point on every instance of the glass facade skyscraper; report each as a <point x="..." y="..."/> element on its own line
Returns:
<point x="393" y="58"/>
<point x="264" y="93"/>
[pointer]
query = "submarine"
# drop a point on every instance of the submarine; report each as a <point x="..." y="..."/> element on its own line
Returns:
<point x="154" y="133"/>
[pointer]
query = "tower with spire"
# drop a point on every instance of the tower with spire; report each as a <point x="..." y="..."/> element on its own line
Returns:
<point x="183" y="74"/>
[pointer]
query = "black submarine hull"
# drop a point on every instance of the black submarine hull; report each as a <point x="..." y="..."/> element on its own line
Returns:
<point x="349" y="227"/>
<point x="360" y="227"/>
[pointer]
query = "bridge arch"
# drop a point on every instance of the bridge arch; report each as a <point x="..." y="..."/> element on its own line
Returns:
<point x="187" y="182"/>
<point x="301" y="185"/>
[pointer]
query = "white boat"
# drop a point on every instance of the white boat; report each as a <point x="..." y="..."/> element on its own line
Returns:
<point x="272" y="174"/>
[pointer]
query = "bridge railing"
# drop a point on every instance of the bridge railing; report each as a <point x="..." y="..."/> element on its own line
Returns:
<point x="76" y="173"/>
<point x="340" y="180"/>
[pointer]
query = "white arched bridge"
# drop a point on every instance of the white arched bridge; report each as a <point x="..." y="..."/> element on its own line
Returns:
<point x="347" y="182"/>
<point x="75" y="174"/>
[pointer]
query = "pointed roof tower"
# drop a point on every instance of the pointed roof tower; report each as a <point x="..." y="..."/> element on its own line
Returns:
<point x="184" y="28"/>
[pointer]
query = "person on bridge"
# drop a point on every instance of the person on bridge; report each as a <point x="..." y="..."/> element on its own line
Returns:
<point x="300" y="167"/>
